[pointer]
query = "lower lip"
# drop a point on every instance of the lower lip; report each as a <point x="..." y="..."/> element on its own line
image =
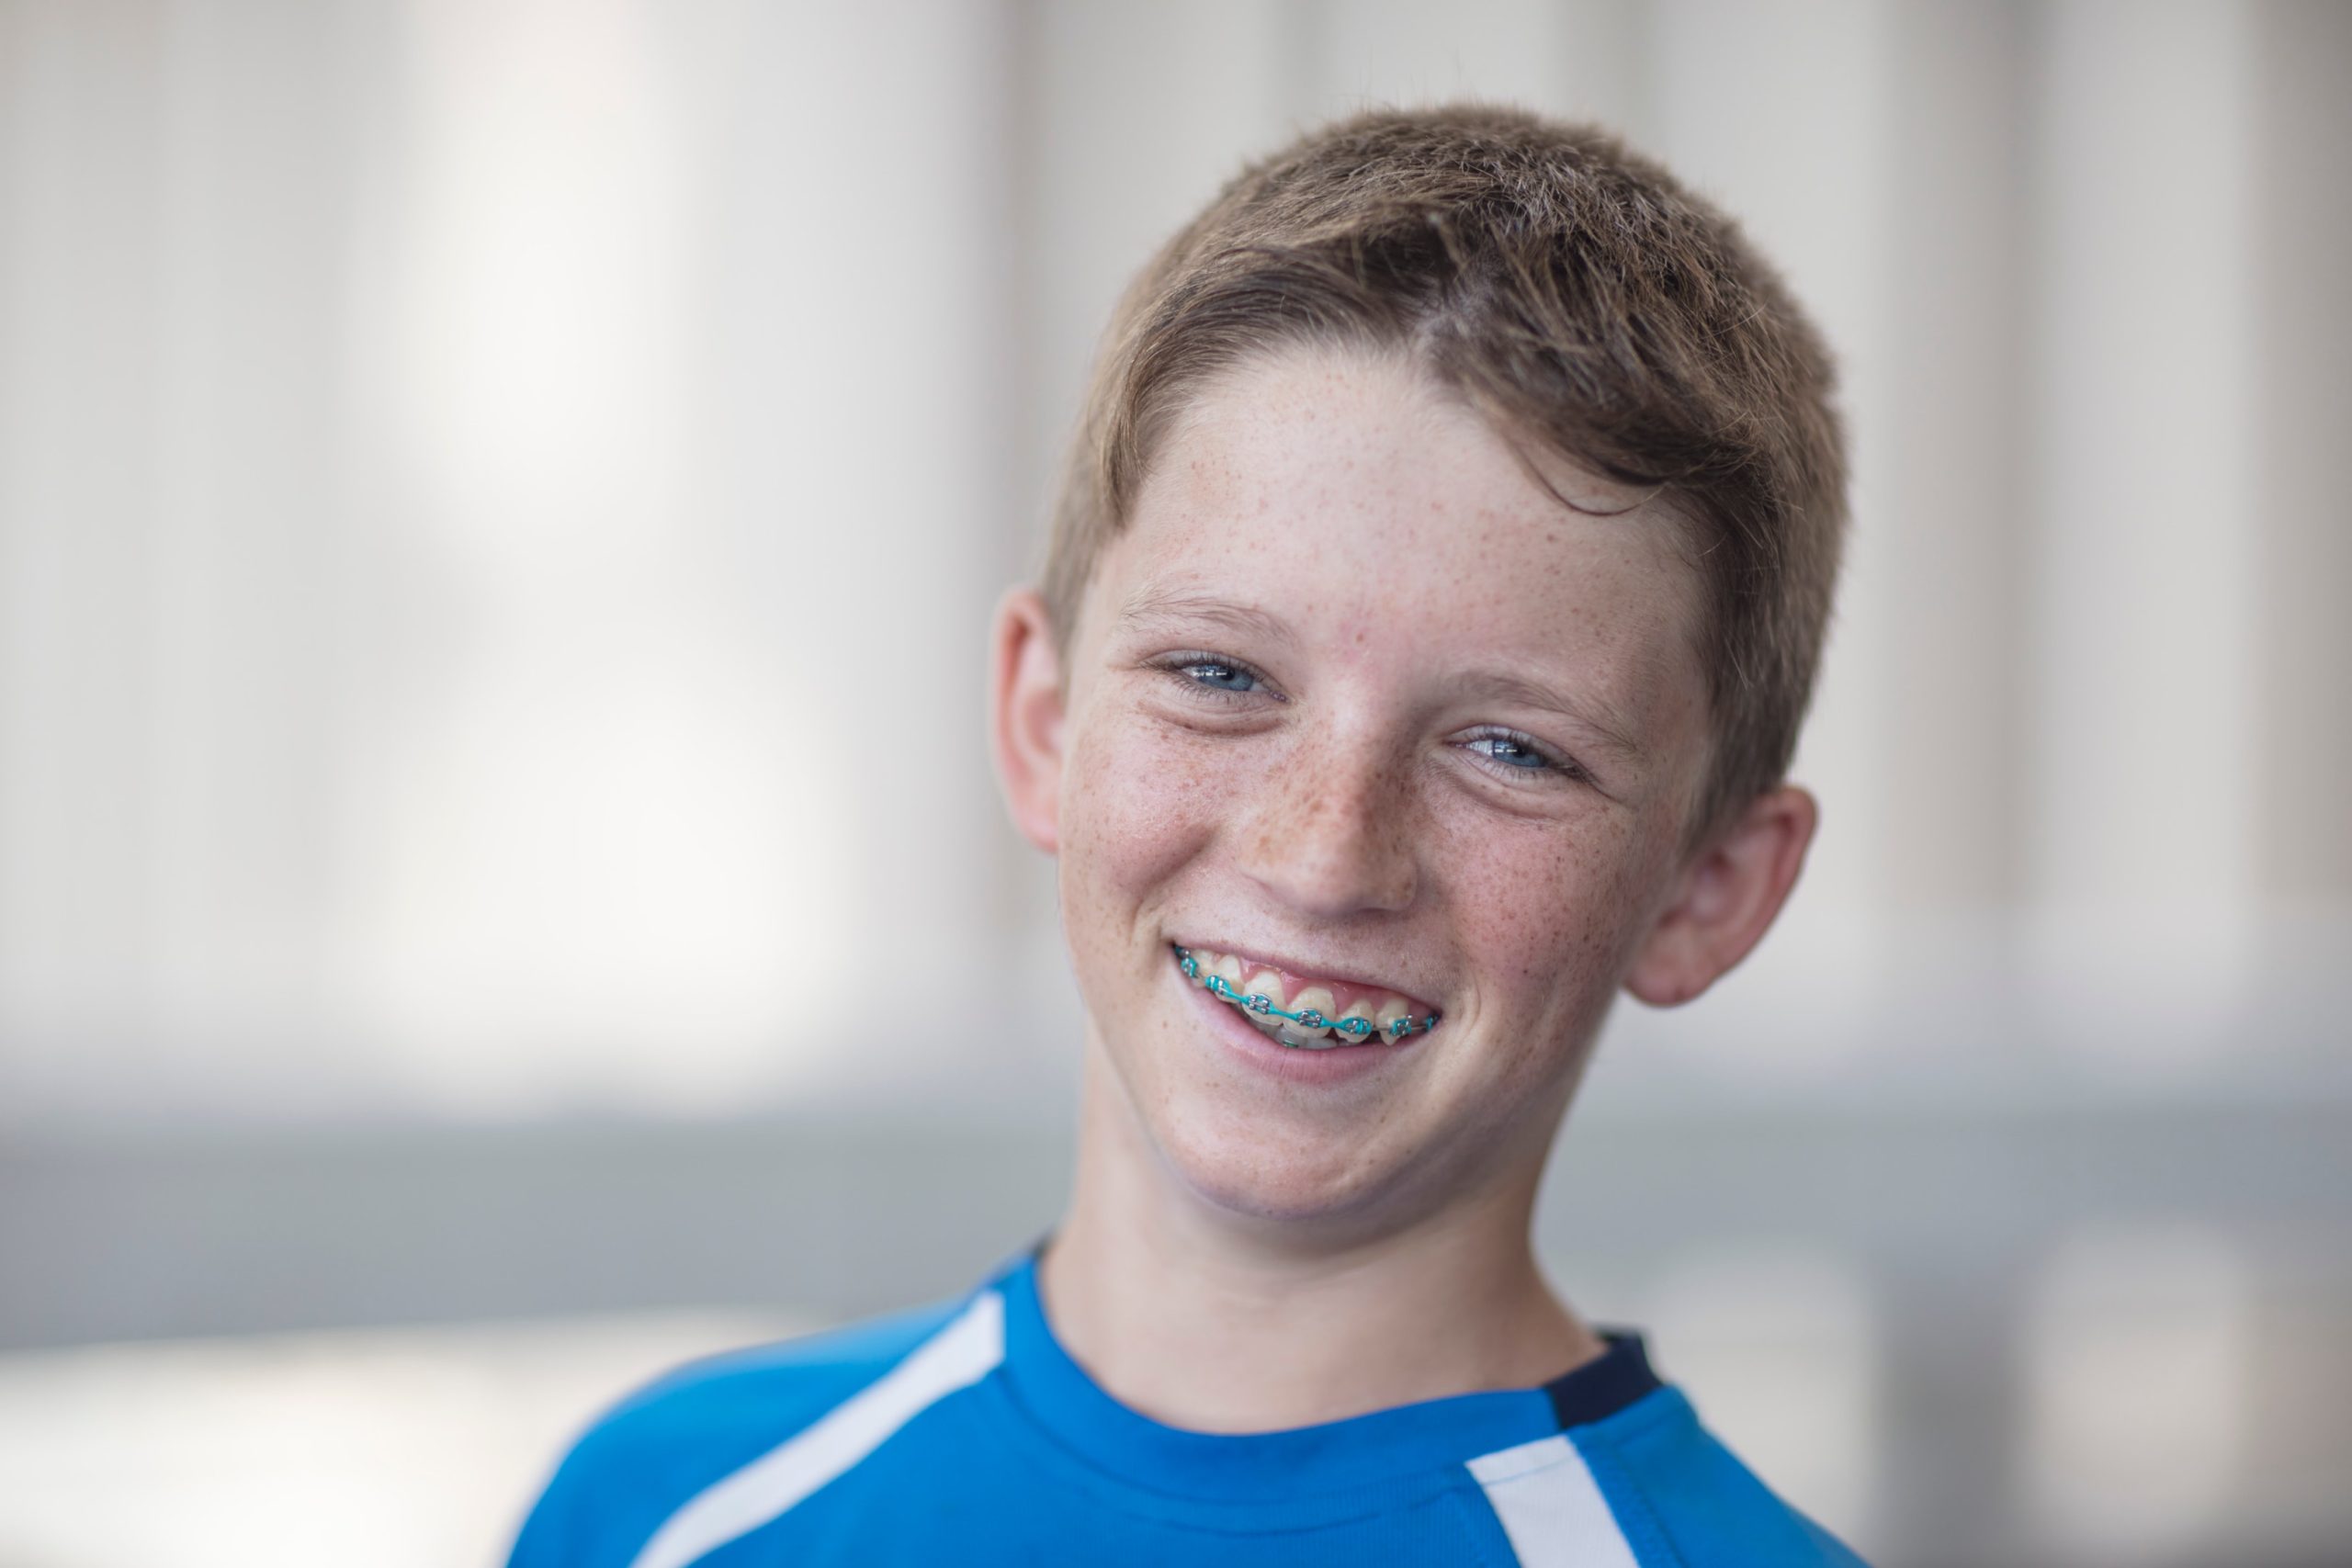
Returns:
<point x="1292" y="1063"/>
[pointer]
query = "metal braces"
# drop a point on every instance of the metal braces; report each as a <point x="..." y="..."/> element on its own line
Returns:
<point x="1354" y="1028"/>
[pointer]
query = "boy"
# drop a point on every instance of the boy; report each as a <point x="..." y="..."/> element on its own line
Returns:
<point x="1433" y="603"/>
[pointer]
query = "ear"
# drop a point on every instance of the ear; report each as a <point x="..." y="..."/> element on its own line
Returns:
<point x="1726" y="898"/>
<point x="1025" y="717"/>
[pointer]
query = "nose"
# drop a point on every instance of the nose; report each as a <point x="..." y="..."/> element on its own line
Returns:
<point x="1331" y="834"/>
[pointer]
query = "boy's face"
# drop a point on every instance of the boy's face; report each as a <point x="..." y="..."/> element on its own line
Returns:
<point x="1354" y="698"/>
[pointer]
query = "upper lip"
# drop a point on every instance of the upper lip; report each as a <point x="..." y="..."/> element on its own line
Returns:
<point x="1309" y="971"/>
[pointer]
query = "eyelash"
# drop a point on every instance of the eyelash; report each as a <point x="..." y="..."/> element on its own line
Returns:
<point x="1181" y="666"/>
<point x="1549" y="762"/>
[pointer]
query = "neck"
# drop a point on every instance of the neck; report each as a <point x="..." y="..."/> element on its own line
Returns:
<point x="1216" y="1321"/>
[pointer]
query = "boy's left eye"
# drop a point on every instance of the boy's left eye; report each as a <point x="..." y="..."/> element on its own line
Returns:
<point x="1219" y="676"/>
<point x="1508" y="751"/>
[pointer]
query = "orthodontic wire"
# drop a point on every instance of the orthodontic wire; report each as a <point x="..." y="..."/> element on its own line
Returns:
<point x="1355" y="1028"/>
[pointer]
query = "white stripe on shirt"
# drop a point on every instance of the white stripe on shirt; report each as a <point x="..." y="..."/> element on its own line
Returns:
<point x="957" y="1357"/>
<point x="1549" y="1506"/>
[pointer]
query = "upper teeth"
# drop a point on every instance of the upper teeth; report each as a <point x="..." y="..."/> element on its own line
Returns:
<point x="1312" y="1002"/>
<point x="1310" y="1019"/>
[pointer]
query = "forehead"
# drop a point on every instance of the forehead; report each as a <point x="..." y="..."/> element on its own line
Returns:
<point x="1349" y="496"/>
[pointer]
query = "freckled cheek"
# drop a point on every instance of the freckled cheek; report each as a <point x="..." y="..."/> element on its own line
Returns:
<point x="1136" y="806"/>
<point x="1542" y="915"/>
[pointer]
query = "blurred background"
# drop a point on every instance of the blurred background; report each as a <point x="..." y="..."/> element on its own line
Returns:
<point x="500" y="888"/>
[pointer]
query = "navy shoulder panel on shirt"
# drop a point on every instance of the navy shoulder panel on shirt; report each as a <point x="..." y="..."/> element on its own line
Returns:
<point x="1680" y="1497"/>
<point x="658" y="1447"/>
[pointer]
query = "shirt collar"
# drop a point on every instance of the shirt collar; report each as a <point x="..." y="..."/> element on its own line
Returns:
<point x="1345" y="1455"/>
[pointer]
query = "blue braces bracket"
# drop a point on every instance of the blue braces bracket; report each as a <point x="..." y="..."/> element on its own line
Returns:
<point x="1355" y="1028"/>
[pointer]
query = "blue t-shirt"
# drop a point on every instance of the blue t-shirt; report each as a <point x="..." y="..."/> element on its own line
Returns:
<point x="965" y="1433"/>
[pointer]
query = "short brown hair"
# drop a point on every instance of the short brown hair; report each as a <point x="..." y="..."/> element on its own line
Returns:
<point x="1564" y="286"/>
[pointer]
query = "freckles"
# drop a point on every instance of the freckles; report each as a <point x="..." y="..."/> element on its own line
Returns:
<point x="1322" y="803"/>
<point x="1550" y="913"/>
<point x="1298" y="809"/>
<point x="1142" y="804"/>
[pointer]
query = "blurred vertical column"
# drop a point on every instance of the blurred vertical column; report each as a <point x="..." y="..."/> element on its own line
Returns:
<point x="1946" y="516"/>
<point x="81" y="149"/>
<point x="2303" y="416"/>
<point x="855" y="329"/>
<point x="261" y="110"/>
<point x="2144" y="847"/>
<point x="1948" y="722"/>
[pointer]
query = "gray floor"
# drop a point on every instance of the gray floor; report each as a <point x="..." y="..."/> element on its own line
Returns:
<point x="1948" y="1219"/>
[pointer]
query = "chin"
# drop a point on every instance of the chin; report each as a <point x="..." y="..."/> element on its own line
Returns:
<point x="1289" y="1175"/>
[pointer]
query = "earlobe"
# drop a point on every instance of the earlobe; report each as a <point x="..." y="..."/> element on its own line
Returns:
<point x="1728" y="897"/>
<point x="1026" y="717"/>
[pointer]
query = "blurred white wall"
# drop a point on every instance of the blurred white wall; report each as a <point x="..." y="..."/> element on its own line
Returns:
<point x="499" y="501"/>
<point x="501" y="504"/>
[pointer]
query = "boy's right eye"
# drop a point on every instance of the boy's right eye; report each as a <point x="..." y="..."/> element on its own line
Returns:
<point x="1211" y="675"/>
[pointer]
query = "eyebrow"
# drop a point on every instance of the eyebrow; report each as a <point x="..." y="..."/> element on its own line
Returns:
<point x="1152" y="605"/>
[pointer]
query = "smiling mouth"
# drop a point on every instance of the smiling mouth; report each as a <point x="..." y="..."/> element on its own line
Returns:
<point x="1306" y="1021"/>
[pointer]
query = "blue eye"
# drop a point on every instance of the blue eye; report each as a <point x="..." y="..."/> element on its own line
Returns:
<point x="1516" y="753"/>
<point x="1216" y="679"/>
<point x="1219" y="676"/>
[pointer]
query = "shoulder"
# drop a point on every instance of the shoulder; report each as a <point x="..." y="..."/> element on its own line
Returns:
<point x="661" y="1446"/>
<point x="1681" y="1496"/>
